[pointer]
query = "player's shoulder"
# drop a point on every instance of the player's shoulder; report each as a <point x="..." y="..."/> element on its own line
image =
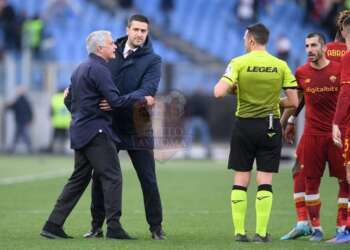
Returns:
<point x="303" y="69"/>
<point x="346" y="57"/>
<point x="331" y="45"/>
<point x="336" y="45"/>
<point x="335" y="65"/>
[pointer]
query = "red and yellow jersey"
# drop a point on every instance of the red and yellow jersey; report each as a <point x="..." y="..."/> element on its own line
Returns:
<point x="345" y="69"/>
<point x="335" y="50"/>
<point x="321" y="88"/>
<point x="342" y="115"/>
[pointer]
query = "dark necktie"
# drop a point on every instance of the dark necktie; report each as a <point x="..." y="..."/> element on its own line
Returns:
<point x="129" y="52"/>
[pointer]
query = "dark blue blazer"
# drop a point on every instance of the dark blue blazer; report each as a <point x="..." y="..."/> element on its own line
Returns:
<point x="90" y="83"/>
<point x="137" y="75"/>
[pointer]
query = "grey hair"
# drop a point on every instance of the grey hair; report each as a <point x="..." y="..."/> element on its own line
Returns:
<point x="95" y="39"/>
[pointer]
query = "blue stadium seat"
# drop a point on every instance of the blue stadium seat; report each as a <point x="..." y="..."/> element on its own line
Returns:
<point x="208" y="25"/>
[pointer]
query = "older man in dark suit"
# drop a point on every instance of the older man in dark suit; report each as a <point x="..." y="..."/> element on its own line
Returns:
<point x="93" y="138"/>
<point x="136" y="71"/>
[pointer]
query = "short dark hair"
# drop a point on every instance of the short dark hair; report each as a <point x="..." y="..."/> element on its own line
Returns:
<point x="259" y="32"/>
<point x="139" y="18"/>
<point x="320" y="36"/>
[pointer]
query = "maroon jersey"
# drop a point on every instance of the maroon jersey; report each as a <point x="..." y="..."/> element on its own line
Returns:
<point x="335" y="50"/>
<point x="345" y="69"/>
<point x="342" y="115"/>
<point x="320" y="87"/>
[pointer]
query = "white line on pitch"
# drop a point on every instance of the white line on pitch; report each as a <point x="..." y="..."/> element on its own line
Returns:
<point x="34" y="177"/>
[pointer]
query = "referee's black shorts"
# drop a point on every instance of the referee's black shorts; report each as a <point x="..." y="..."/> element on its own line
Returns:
<point x="252" y="139"/>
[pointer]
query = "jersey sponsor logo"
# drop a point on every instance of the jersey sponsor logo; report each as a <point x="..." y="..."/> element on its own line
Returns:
<point x="262" y="69"/>
<point x="333" y="78"/>
<point x="335" y="52"/>
<point x="314" y="90"/>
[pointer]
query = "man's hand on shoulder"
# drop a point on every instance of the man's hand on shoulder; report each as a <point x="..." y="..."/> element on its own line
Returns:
<point x="104" y="105"/>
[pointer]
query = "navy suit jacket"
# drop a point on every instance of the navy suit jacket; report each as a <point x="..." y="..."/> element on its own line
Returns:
<point x="90" y="83"/>
<point x="137" y="75"/>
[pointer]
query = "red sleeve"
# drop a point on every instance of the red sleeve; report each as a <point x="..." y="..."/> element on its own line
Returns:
<point x="343" y="104"/>
<point x="297" y="77"/>
<point x="345" y="69"/>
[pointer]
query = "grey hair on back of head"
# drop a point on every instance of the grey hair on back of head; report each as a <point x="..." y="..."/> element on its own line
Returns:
<point x="95" y="39"/>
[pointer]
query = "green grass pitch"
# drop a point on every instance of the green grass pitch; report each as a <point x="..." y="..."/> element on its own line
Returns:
<point x="196" y="203"/>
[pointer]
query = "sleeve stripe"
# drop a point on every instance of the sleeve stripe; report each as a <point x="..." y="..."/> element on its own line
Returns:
<point x="291" y="87"/>
<point x="228" y="78"/>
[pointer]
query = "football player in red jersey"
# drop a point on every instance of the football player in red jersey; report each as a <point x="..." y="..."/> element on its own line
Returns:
<point x="343" y="115"/>
<point x="302" y="228"/>
<point x="318" y="80"/>
<point x="337" y="48"/>
<point x="334" y="52"/>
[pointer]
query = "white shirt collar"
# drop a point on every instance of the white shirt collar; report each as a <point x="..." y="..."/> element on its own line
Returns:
<point x="126" y="50"/>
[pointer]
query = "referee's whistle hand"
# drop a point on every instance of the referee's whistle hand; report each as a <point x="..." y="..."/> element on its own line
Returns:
<point x="104" y="105"/>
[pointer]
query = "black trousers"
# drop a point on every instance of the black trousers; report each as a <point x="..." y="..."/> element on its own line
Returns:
<point x="100" y="156"/>
<point x="144" y="164"/>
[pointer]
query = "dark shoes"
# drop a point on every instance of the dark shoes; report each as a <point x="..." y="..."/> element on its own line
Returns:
<point x="53" y="231"/>
<point x="242" y="238"/>
<point x="119" y="234"/>
<point x="158" y="234"/>
<point x="94" y="233"/>
<point x="258" y="238"/>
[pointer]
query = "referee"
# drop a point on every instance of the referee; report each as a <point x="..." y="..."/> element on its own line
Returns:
<point x="257" y="78"/>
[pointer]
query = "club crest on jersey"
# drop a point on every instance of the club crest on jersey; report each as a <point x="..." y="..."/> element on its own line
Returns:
<point x="307" y="80"/>
<point x="332" y="78"/>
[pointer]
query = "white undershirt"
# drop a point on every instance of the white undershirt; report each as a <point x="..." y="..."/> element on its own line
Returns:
<point x="126" y="50"/>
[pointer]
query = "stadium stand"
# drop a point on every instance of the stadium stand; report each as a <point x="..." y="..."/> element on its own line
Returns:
<point x="209" y="26"/>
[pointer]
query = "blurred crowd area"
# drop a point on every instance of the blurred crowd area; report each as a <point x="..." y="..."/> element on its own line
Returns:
<point x="46" y="26"/>
<point x="42" y="41"/>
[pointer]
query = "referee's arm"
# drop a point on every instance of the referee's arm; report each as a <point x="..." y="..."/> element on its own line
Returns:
<point x="289" y="86"/>
<point x="223" y="87"/>
<point x="291" y="99"/>
<point x="292" y="112"/>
